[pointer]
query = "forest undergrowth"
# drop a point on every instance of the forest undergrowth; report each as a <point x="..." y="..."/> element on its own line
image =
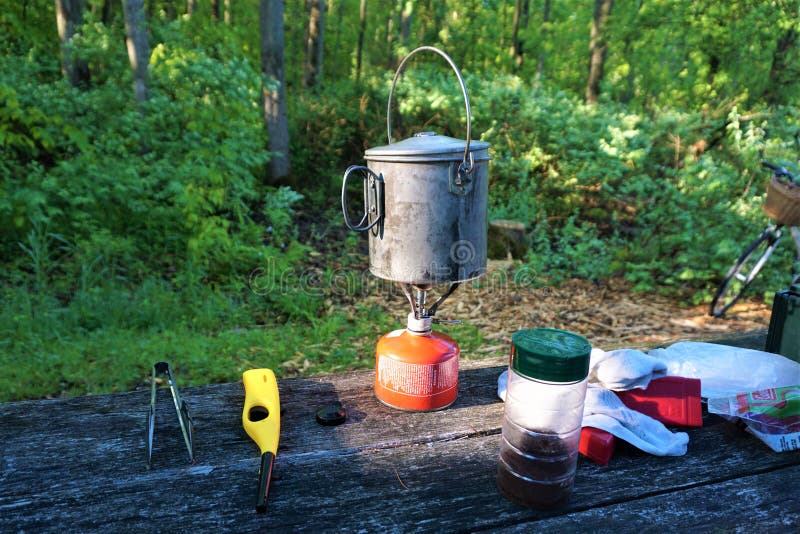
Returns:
<point x="138" y="232"/>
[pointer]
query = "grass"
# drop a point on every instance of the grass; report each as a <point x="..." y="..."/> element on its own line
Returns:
<point x="94" y="331"/>
<point x="107" y="338"/>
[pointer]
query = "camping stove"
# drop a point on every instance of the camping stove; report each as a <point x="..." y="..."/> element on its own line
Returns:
<point x="425" y="202"/>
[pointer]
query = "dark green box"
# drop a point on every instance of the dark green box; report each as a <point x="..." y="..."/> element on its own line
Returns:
<point x="783" y="336"/>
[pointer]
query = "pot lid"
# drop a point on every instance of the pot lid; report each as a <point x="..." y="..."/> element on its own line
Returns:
<point x="428" y="146"/>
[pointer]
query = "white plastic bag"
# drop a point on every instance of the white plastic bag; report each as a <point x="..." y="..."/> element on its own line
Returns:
<point x="725" y="371"/>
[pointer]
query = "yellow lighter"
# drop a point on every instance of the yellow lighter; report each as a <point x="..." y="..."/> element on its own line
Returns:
<point x="261" y="419"/>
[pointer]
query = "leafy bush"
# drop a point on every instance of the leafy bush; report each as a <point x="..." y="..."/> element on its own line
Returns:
<point x="175" y="181"/>
<point x="665" y="200"/>
<point x="129" y="234"/>
<point x="329" y="130"/>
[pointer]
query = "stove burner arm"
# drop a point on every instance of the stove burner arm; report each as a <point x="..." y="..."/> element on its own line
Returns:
<point x="432" y="309"/>
<point x="418" y="303"/>
<point x="407" y="288"/>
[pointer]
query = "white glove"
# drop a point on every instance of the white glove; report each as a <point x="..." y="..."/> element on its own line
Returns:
<point x="623" y="369"/>
<point x="604" y="410"/>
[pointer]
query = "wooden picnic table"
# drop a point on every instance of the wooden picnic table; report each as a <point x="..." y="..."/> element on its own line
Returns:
<point x="78" y="464"/>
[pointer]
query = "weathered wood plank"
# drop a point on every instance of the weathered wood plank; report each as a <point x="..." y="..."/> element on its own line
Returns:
<point x="766" y="502"/>
<point x="114" y="425"/>
<point x="443" y="486"/>
<point x="78" y="464"/>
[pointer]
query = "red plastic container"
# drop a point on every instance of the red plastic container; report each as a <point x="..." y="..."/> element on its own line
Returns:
<point x="597" y="445"/>
<point x="673" y="400"/>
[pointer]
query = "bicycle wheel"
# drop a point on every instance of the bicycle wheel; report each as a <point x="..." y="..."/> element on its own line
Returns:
<point x="744" y="271"/>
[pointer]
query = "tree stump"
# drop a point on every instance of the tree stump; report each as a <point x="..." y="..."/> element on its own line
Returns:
<point x="506" y="238"/>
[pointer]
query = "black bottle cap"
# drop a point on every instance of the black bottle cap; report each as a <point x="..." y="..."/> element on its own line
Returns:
<point x="331" y="414"/>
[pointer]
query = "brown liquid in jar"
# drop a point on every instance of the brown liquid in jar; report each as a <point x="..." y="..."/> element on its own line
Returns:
<point x="537" y="484"/>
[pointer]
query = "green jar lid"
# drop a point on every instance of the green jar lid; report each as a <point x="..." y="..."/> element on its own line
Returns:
<point x="550" y="354"/>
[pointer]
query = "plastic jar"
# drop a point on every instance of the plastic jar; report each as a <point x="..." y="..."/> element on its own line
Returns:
<point x="542" y="417"/>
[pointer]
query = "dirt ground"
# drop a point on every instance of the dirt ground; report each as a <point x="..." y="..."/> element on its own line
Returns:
<point x="609" y="314"/>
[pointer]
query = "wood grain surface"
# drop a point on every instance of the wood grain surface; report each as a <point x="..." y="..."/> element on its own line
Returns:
<point x="79" y="465"/>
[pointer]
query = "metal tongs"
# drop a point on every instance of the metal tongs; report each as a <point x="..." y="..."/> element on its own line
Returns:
<point x="163" y="368"/>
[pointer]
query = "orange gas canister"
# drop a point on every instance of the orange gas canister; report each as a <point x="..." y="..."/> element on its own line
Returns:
<point x="416" y="369"/>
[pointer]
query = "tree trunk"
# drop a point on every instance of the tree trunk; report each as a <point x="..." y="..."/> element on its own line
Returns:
<point x="506" y="239"/>
<point x="597" y="49"/>
<point x="628" y="51"/>
<point x="630" y="79"/>
<point x="545" y="23"/>
<point x="390" y="39"/>
<point x="713" y="69"/>
<point x="431" y="25"/>
<point x="333" y="7"/>
<point x="108" y="12"/>
<point x="228" y="12"/>
<point x="169" y="9"/>
<point x="191" y="7"/>
<point x="69" y="15"/>
<point x="215" y="9"/>
<point x="780" y="73"/>
<point x="520" y="22"/>
<point x="362" y="28"/>
<point x="274" y="91"/>
<point x="138" y="46"/>
<point x="406" y="16"/>
<point x="315" y="36"/>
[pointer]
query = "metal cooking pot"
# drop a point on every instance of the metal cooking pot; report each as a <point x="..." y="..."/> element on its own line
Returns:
<point x="425" y="202"/>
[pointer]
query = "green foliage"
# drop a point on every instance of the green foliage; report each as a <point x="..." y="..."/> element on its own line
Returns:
<point x="609" y="192"/>
<point x="29" y="29"/>
<point x="175" y="180"/>
<point x="131" y="234"/>
<point x="329" y="129"/>
<point x="636" y="195"/>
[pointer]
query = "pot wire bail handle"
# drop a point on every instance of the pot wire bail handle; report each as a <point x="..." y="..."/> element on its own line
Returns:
<point x="464" y="167"/>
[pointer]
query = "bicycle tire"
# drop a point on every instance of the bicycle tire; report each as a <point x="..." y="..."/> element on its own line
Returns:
<point x="750" y="262"/>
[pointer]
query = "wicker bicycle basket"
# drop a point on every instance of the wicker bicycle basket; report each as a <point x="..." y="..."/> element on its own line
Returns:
<point x="783" y="202"/>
